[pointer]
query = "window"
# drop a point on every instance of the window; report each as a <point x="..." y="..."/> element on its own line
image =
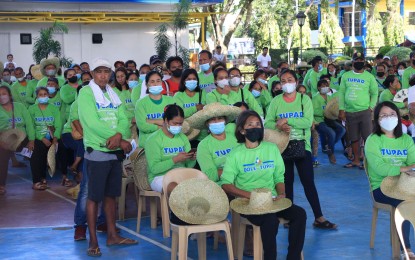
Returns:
<point x="347" y="24"/>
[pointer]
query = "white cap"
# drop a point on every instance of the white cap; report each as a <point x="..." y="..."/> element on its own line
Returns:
<point x="100" y="62"/>
<point x="386" y="57"/>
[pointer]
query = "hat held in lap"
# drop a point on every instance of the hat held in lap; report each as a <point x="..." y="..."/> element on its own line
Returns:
<point x="400" y="187"/>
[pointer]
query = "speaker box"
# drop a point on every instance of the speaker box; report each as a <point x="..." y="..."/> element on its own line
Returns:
<point x="97" y="38"/>
<point x="25" y="38"/>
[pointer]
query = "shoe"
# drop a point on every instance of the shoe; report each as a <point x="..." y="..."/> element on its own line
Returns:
<point x="102" y="228"/>
<point x="315" y="163"/>
<point x="80" y="233"/>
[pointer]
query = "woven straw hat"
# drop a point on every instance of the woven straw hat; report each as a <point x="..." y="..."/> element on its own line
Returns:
<point x="261" y="202"/>
<point x="199" y="201"/>
<point x="332" y="109"/>
<point x="403" y="111"/>
<point x="302" y="64"/>
<point x="51" y="160"/>
<point x="73" y="192"/>
<point x="281" y="139"/>
<point x="140" y="176"/>
<point x="198" y="119"/>
<point x="190" y="132"/>
<point x="51" y="61"/>
<point x="399" y="187"/>
<point x="35" y="71"/>
<point x="12" y="138"/>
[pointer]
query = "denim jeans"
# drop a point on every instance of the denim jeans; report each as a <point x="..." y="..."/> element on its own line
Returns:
<point x="76" y="145"/>
<point x="330" y="136"/>
<point x="80" y="209"/>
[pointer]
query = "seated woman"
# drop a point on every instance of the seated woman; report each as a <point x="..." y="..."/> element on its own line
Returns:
<point x="167" y="148"/>
<point x="243" y="172"/>
<point x="392" y="86"/>
<point x="222" y="93"/>
<point x="387" y="136"/>
<point x="261" y="94"/>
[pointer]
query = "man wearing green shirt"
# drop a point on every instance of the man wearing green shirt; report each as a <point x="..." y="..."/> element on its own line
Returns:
<point x="206" y="80"/>
<point x="381" y="74"/>
<point x="408" y="72"/>
<point x="21" y="87"/>
<point x="358" y="96"/>
<point x="315" y="74"/>
<point x="49" y="69"/>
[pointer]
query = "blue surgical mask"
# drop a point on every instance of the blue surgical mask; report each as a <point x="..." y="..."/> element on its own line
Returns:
<point x="51" y="90"/>
<point x="43" y="100"/>
<point x="78" y="76"/>
<point x="133" y="83"/>
<point x="174" y="129"/>
<point x="155" y="90"/>
<point x="320" y="67"/>
<point x="205" y="67"/>
<point x="263" y="81"/>
<point x="217" y="128"/>
<point x="191" y="84"/>
<point x="142" y="77"/>
<point x="256" y="93"/>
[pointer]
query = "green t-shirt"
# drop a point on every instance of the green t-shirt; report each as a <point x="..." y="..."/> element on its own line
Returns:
<point x="44" y="118"/>
<point x="100" y="123"/>
<point x="387" y="95"/>
<point x="263" y="101"/>
<point x="272" y="79"/>
<point x="260" y="167"/>
<point x="313" y="80"/>
<point x="406" y="76"/>
<point x="386" y="155"/>
<point x="146" y="108"/>
<point x="43" y="81"/>
<point x="206" y="81"/>
<point x="188" y="103"/>
<point x="299" y="121"/>
<point x="224" y="99"/>
<point x="380" y="85"/>
<point x="358" y="91"/>
<point x="19" y="92"/>
<point x="73" y="115"/>
<point x="136" y="92"/>
<point x="22" y="119"/>
<point x="306" y="80"/>
<point x="319" y="105"/>
<point x="334" y="83"/>
<point x="68" y="95"/>
<point x="248" y="98"/>
<point x="212" y="153"/>
<point x="31" y="92"/>
<point x="125" y="97"/>
<point x="160" y="150"/>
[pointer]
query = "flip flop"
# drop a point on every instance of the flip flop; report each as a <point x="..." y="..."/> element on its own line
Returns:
<point x="124" y="242"/>
<point x="352" y="165"/>
<point x="94" y="252"/>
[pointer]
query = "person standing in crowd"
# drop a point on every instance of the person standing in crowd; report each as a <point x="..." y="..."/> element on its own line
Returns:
<point x="292" y="113"/>
<point x="21" y="86"/>
<point x="358" y="95"/>
<point x="49" y="69"/>
<point x="315" y="74"/>
<point x="175" y="67"/>
<point x="381" y="74"/>
<point x="334" y="77"/>
<point x="84" y="66"/>
<point x="105" y="127"/>
<point x="10" y="60"/>
<point x="68" y="91"/>
<point x="263" y="62"/>
<point x="378" y="60"/>
<point x="206" y="79"/>
<point x="400" y="70"/>
<point x="218" y="55"/>
<point x="407" y="74"/>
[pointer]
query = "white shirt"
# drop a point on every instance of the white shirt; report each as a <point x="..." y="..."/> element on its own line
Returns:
<point x="7" y="63"/>
<point x="264" y="60"/>
<point x="219" y="57"/>
<point x="411" y="95"/>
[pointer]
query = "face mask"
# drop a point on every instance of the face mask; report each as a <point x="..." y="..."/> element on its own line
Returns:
<point x="155" y="90"/>
<point x="142" y="77"/>
<point x="204" y="67"/>
<point x="320" y="67"/>
<point x="6" y="78"/>
<point x="235" y="81"/>
<point x="43" y="100"/>
<point x="78" y="76"/>
<point x="4" y="99"/>
<point x="174" y="129"/>
<point x="51" y="72"/>
<point x="222" y="83"/>
<point x="217" y="128"/>
<point x="389" y="123"/>
<point x="13" y="79"/>
<point x="20" y="79"/>
<point x="263" y="81"/>
<point x="177" y="73"/>
<point x="380" y="74"/>
<point x="359" y="65"/>
<point x="278" y="92"/>
<point x="332" y="72"/>
<point x="254" y="134"/>
<point x="191" y="84"/>
<point x="400" y="72"/>
<point x="132" y="83"/>
<point x="324" y="90"/>
<point x="73" y="79"/>
<point x="51" y="90"/>
<point x="289" y="87"/>
<point x="256" y="93"/>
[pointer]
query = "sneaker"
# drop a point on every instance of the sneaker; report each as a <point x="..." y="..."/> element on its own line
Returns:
<point x="80" y="233"/>
<point x="315" y="163"/>
<point x="102" y="228"/>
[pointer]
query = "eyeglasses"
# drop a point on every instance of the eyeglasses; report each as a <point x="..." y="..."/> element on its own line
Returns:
<point x="383" y="116"/>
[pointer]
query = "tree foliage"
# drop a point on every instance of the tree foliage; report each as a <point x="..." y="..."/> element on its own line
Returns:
<point x="394" y="26"/>
<point x="375" y="36"/>
<point x="401" y="52"/>
<point x="294" y="36"/>
<point x="330" y="33"/>
<point x="308" y="55"/>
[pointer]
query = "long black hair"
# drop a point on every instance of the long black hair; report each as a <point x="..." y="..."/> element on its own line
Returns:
<point x="185" y="74"/>
<point x="376" y="127"/>
<point x="241" y="122"/>
<point x="171" y="111"/>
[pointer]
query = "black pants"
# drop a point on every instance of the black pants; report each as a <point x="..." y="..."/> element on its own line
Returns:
<point x="4" y="164"/>
<point x="306" y="173"/>
<point x="38" y="161"/>
<point x="268" y="224"/>
<point x="64" y="157"/>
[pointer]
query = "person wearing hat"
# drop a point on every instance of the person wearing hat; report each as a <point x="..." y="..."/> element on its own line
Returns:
<point x="206" y="79"/>
<point x="49" y="69"/>
<point x="168" y="148"/>
<point x="408" y="72"/>
<point x="21" y="87"/>
<point x="258" y="164"/>
<point x="358" y="95"/>
<point x="389" y="154"/>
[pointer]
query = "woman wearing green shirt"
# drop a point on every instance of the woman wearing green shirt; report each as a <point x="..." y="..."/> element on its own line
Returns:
<point x="392" y="85"/>
<point x="292" y="113"/>
<point x="168" y="148"/>
<point x="262" y="96"/>
<point x="333" y="72"/>
<point x="125" y="96"/>
<point x="68" y="92"/>
<point x="389" y="152"/>
<point x="150" y="109"/>
<point x="47" y="123"/>
<point x="222" y="93"/>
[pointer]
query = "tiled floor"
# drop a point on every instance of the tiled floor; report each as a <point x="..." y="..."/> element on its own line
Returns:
<point x="38" y="225"/>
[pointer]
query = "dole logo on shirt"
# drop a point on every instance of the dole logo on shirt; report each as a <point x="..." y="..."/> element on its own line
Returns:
<point x="258" y="165"/>
<point x="173" y="150"/>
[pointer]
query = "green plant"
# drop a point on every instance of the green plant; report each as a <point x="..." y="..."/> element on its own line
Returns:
<point x="341" y="58"/>
<point x="384" y="49"/>
<point x="401" y="52"/>
<point x="331" y="34"/>
<point x="308" y="55"/>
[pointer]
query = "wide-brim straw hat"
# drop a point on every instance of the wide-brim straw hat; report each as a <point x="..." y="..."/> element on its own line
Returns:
<point x="199" y="201"/>
<point x="140" y="176"/>
<point x="302" y="64"/>
<point x="190" y="132"/>
<point x="50" y="61"/>
<point x="399" y="187"/>
<point x="198" y="119"/>
<point x="332" y="109"/>
<point x="281" y="139"/>
<point x="12" y="138"/>
<point x="261" y="202"/>
<point x="51" y="159"/>
<point x="35" y="71"/>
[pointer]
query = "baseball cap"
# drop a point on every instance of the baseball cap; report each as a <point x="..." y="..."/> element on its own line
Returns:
<point x="154" y="59"/>
<point x="100" y="62"/>
<point x="386" y="57"/>
<point x="358" y="55"/>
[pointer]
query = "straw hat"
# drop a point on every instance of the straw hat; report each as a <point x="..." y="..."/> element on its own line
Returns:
<point x="403" y="111"/>
<point x="260" y="203"/>
<point x="190" y="132"/>
<point x="51" y="61"/>
<point x="139" y="162"/>
<point x="12" y="138"/>
<point x="399" y="187"/>
<point x="35" y="71"/>
<point x="74" y="191"/>
<point x="332" y="109"/>
<point x="198" y="119"/>
<point x="199" y="201"/>
<point x="281" y="139"/>
<point x="51" y="160"/>
<point x="302" y="64"/>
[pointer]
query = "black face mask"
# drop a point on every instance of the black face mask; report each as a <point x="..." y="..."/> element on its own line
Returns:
<point x="254" y="134"/>
<point x="278" y="92"/>
<point x="380" y="74"/>
<point x="73" y="79"/>
<point x="358" y="65"/>
<point x="177" y="73"/>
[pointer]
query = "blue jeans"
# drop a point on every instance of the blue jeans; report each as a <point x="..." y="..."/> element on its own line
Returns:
<point x="80" y="209"/>
<point x="76" y="145"/>
<point x="330" y="136"/>
<point x="382" y="198"/>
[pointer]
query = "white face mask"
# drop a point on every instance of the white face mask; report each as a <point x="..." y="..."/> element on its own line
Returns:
<point x="289" y="87"/>
<point x="222" y="83"/>
<point x="389" y="123"/>
<point x="400" y="72"/>
<point x="324" y="90"/>
<point x="235" y="81"/>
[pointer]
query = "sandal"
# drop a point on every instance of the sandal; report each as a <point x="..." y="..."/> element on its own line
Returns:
<point x="324" y="225"/>
<point x="66" y="182"/>
<point x="45" y="183"/>
<point x="352" y="165"/>
<point x="38" y="186"/>
<point x="94" y="252"/>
